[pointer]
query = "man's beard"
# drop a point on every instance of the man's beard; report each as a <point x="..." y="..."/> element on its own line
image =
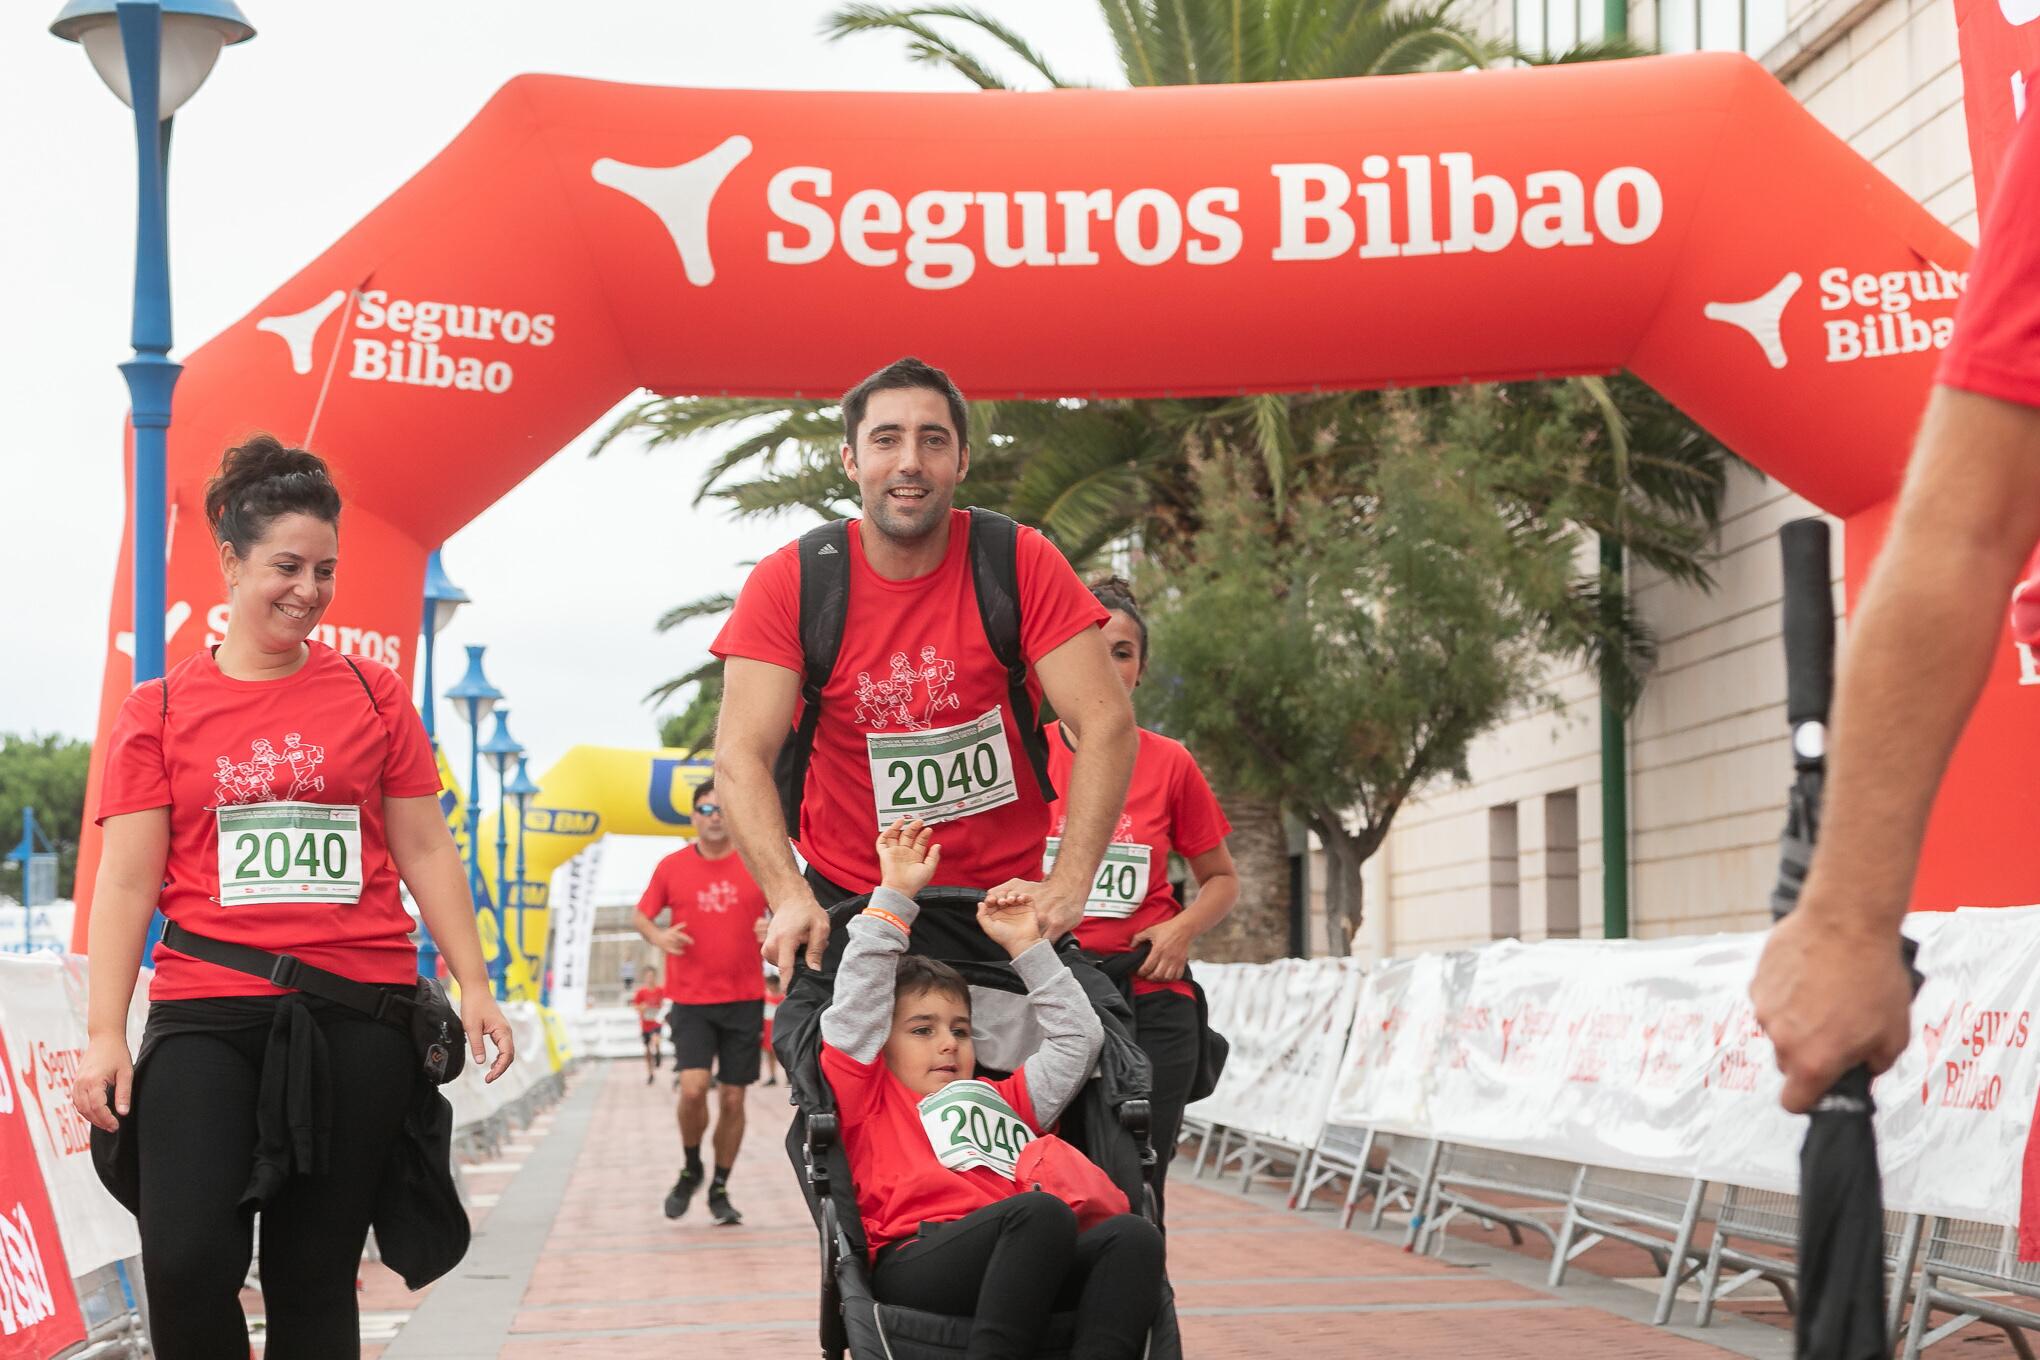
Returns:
<point x="899" y="528"/>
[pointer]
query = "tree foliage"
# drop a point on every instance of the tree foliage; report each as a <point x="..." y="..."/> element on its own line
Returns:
<point x="46" y="773"/>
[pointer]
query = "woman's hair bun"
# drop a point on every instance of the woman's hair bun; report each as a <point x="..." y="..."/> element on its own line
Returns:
<point x="261" y="479"/>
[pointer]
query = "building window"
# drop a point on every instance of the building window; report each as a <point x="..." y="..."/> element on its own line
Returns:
<point x="1552" y="27"/>
<point x="1752" y="26"/>
<point x="1562" y="865"/>
<point x="1505" y="878"/>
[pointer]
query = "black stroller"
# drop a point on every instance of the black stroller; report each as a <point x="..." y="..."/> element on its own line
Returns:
<point x="1108" y="1120"/>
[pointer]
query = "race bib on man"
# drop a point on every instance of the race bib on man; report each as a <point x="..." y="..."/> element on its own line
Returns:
<point x="941" y="774"/>
<point x="289" y="852"/>
<point x="1121" y="883"/>
<point x="968" y="1125"/>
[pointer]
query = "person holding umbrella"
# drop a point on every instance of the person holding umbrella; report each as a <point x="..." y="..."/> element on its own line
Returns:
<point x="1832" y="989"/>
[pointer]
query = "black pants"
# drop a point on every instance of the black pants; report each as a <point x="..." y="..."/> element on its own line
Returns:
<point x="195" y="1104"/>
<point x="1011" y="1264"/>
<point x="1166" y="1030"/>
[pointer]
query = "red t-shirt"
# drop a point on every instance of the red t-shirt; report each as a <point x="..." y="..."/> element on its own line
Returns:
<point x="313" y="737"/>
<point x="901" y="1184"/>
<point x="915" y="664"/>
<point x="643" y="997"/>
<point x="717" y="904"/>
<point x="1996" y="349"/>
<point x="1169" y="807"/>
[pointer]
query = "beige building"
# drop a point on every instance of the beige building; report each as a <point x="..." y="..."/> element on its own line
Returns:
<point x="1518" y="850"/>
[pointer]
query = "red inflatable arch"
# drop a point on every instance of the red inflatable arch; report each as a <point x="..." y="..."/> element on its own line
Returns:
<point x="1679" y="216"/>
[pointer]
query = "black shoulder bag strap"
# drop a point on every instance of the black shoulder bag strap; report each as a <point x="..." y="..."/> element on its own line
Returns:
<point x="824" y="606"/>
<point x="995" y="575"/>
<point x="287" y="970"/>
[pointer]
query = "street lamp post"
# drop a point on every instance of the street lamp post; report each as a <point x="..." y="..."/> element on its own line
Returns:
<point x="476" y="698"/>
<point x="521" y="791"/>
<point x="442" y="600"/>
<point x="501" y="748"/>
<point x="153" y="54"/>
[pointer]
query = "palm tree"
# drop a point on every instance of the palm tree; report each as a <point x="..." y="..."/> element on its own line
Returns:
<point x="1094" y="474"/>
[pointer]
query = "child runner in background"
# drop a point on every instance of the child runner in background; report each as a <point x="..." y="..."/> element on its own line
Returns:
<point x="969" y="1241"/>
<point x="650" y="1004"/>
<point x="774" y="994"/>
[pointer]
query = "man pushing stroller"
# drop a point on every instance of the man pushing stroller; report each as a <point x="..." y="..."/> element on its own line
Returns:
<point x="954" y="1178"/>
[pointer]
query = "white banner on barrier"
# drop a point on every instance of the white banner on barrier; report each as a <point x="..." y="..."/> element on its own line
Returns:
<point x="573" y="942"/>
<point x="1287" y="1023"/>
<point x="1646" y="1056"/>
<point x="42" y="1013"/>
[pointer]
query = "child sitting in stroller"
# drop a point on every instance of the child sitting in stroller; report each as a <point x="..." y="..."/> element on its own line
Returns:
<point x="933" y="1150"/>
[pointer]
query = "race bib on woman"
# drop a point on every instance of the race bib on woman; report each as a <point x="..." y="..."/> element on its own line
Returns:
<point x="969" y="1124"/>
<point x="289" y="852"/>
<point x="1121" y="883"/>
<point x="940" y="774"/>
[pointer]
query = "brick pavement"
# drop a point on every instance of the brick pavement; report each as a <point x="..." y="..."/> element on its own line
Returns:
<point x="616" y="1279"/>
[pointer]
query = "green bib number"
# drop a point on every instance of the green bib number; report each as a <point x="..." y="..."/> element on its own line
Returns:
<point x="289" y="852"/>
<point x="940" y="774"/>
<point x="1121" y="883"/>
<point x="968" y="1125"/>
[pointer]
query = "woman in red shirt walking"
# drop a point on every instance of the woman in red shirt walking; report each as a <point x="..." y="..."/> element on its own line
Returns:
<point x="1169" y="809"/>
<point x="268" y="792"/>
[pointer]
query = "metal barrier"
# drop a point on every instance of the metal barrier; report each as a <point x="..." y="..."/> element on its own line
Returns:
<point x="1203" y="1130"/>
<point x="115" y="1322"/>
<point x="1656" y="1213"/>
<point x="1458" y="1176"/>
<point x="1342" y="1152"/>
<point x="1771" y="1218"/>
<point x="1982" y="1257"/>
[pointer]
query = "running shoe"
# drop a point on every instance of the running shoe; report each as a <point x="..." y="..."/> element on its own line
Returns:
<point x="720" y="1208"/>
<point x="682" y="1194"/>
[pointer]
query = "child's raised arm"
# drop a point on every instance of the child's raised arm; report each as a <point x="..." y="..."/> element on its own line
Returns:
<point x="859" y="1017"/>
<point x="1071" y="1031"/>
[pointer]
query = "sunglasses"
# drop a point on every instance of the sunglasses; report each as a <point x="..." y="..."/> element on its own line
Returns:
<point x="707" y="809"/>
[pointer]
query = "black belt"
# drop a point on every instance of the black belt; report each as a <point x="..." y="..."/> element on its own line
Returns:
<point x="288" y="971"/>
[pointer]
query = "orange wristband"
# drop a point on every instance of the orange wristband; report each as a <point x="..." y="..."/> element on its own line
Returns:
<point x="882" y="914"/>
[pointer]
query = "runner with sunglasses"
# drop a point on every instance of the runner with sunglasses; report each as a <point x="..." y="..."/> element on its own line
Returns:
<point x="713" y="918"/>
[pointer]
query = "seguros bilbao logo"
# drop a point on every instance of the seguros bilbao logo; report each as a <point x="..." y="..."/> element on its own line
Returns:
<point x="1882" y="315"/>
<point x="414" y="342"/>
<point x="940" y="238"/>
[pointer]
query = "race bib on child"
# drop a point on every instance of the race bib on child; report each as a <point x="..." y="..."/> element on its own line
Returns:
<point x="1121" y="883"/>
<point x="289" y="852"/>
<point x="969" y="1124"/>
<point x="940" y="774"/>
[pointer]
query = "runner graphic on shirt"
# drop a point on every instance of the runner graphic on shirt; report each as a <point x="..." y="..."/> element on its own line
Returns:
<point x="938" y="675"/>
<point x="254" y="779"/>
<point x="303" y="760"/>
<point x="717" y="897"/>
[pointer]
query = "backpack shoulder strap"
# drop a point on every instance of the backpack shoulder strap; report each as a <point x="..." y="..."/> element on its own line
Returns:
<point x="995" y="576"/>
<point x="824" y="608"/>
<point x="365" y="689"/>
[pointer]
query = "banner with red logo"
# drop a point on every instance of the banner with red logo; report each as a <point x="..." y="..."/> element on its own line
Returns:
<point x="2000" y="45"/>
<point x="1679" y="216"/>
<point x="44" y="1001"/>
<point x="38" y="1307"/>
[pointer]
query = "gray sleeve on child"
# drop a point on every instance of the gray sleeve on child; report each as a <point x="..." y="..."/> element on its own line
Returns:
<point x="859" y="1018"/>
<point x="1071" y="1033"/>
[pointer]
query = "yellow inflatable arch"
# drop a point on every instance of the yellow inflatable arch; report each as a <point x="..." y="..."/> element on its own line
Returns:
<point x="592" y="792"/>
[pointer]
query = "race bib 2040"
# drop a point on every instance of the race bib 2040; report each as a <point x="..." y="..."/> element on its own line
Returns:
<point x="940" y="774"/>
<point x="969" y="1124"/>
<point x="1121" y="883"/>
<point x="289" y="852"/>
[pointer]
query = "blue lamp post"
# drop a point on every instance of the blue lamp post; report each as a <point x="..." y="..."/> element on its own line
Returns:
<point x="153" y="54"/>
<point x="520" y="792"/>
<point x="475" y="698"/>
<point x="502" y="749"/>
<point x="443" y="600"/>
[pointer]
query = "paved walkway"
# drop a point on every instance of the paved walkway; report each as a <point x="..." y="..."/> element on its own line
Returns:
<point x="574" y="1259"/>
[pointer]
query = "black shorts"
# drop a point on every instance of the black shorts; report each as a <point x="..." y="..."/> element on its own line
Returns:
<point x="728" y="1034"/>
<point x="651" y="1039"/>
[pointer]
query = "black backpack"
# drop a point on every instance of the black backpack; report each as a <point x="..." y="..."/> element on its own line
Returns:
<point x="825" y="605"/>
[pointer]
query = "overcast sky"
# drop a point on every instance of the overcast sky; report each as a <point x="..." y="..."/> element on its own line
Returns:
<point x="294" y="138"/>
